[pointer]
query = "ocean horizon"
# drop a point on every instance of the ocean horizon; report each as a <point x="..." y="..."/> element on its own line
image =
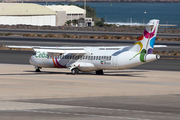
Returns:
<point x="167" y="13"/>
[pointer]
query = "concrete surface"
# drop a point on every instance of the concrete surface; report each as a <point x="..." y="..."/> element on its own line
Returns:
<point x="56" y="94"/>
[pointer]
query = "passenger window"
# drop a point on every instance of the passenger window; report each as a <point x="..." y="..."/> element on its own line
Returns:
<point x="109" y="57"/>
<point x="34" y="53"/>
<point x="67" y="56"/>
<point x="94" y="58"/>
<point x="91" y="57"/>
<point x="73" y="57"/>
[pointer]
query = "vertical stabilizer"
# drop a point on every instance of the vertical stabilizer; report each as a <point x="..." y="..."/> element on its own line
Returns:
<point x="145" y="44"/>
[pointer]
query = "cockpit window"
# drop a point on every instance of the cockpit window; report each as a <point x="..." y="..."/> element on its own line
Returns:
<point x="34" y="53"/>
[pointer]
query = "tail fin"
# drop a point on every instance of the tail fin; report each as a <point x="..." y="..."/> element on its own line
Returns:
<point x="145" y="43"/>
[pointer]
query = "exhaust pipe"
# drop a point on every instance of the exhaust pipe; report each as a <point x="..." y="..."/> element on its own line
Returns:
<point x="158" y="57"/>
<point x="151" y="57"/>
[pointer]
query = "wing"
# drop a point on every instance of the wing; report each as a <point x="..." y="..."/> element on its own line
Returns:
<point x="56" y="52"/>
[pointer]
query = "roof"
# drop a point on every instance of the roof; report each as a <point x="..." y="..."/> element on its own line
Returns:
<point x="68" y="8"/>
<point x="24" y="9"/>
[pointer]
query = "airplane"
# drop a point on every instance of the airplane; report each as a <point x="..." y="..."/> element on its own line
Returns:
<point x="97" y="58"/>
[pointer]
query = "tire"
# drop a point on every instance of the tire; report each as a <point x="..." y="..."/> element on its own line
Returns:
<point x="99" y="72"/>
<point x="75" y="71"/>
<point x="37" y="70"/>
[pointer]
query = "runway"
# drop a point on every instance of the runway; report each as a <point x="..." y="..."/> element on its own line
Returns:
<point x="39" y="41"/>
<point x="118" y="95"/>
<point x="75" y="32"/>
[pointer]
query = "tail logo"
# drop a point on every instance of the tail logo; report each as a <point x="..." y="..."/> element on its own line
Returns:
<point x="142" y="41"/>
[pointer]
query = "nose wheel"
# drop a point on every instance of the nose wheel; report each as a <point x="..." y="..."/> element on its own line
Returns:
<point x="37" y="69"/>
<point x="75" y="71"/>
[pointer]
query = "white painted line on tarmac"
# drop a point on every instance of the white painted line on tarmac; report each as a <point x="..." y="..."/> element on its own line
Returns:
<point x="87" y="115"/>
<point x="54" y="106"/>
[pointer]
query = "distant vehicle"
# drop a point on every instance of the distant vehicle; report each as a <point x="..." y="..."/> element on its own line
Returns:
<point x="97" y="58"/>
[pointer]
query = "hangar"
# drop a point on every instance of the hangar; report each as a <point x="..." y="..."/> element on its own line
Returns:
<point x="29" y="14"/>
<point x="34" y="14"/>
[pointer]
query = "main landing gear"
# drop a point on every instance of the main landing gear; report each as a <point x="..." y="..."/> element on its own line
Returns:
<point x="75" y="71"/>
<point x="37" y="69"/>
<point x="99" y="72"/>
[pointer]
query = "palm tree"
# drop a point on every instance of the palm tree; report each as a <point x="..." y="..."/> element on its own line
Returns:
<point x="68" y="22"/>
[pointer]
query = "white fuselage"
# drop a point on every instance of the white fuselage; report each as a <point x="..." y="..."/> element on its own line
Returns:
<point x="96" y="58"/>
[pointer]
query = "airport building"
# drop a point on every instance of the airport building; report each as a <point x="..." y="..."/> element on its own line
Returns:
<point x="34" y="14"/>
<point x="28" y="14"/>
<point x="65" y="13"/>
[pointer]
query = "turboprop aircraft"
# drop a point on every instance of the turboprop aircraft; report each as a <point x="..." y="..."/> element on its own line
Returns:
<point x="97" y="58"/>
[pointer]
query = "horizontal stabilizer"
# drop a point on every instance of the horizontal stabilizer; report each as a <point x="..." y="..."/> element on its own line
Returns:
<point x="159" y="46"/>
<point x="168" y="25"/>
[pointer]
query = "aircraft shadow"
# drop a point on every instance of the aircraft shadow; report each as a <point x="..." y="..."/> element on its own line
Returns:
<point x="35" y="73"/>
<point x="114" y="73"/>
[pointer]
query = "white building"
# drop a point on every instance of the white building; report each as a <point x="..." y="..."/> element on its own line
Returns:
<point x="66" y="12"/>
<point x="29" y="14"/>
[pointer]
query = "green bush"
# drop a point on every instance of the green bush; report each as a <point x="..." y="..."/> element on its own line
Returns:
<point x="66" y="36"/>
<point x="7" y="34"/>
<point x="106" y="37"/>
<point x="92" y="36"/>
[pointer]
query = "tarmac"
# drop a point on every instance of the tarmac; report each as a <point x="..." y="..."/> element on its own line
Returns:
<point x="56" y="94"/>
<point x="147" y="92"/>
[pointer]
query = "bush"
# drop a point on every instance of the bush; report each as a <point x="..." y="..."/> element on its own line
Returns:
<point x="92" y="36"/>
<point x="66" y="36"/>
<point x="50" y="35"/>
<point x="7" y="34"/>
<point x="117" y="37"/>
<point x="106" y="37"/>
<point x="99" y="23"/>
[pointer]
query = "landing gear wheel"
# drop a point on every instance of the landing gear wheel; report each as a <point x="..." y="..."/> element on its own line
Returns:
<point x="38" y="70"/>
<point x="99" y="72"/>
<point x="75" y="71"/>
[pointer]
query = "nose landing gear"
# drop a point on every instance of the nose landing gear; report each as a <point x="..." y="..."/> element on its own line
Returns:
<point x="38" y="69"/>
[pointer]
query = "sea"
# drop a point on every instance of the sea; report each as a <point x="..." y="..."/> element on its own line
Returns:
<point x="138" y="13"/>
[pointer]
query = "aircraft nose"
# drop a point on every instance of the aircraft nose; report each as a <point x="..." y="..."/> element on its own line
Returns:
<point x="31" y="60"/>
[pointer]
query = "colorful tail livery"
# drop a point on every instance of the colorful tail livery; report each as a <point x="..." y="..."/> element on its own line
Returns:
<point x="145" y="44"/>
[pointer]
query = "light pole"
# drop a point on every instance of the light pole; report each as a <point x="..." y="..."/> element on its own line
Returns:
<point x="85" y="12"/>
<point x="85" y="9"/>
<point x="144" y="19"/>
<point x="106" y="18"/>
